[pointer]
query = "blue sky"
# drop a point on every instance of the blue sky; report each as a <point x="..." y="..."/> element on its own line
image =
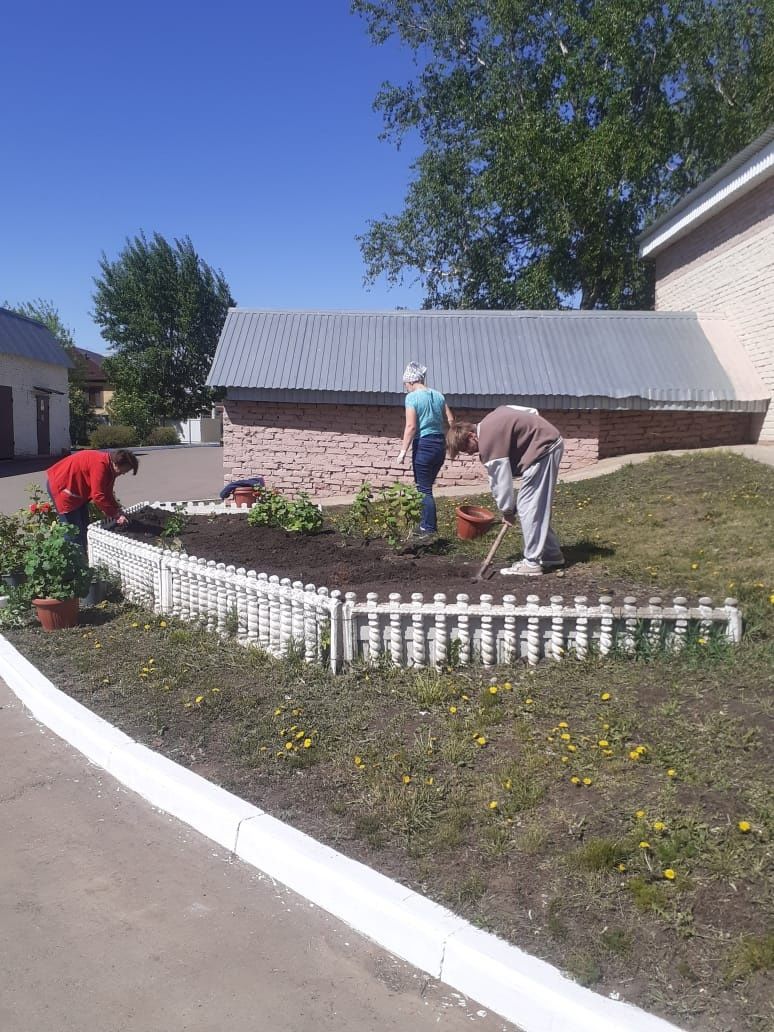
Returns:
<point x="246" y="126"/>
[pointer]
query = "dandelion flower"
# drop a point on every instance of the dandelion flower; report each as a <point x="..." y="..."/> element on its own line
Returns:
<point x="507" y="784"/>
<point x="565" y="737"/>
<point x="307" y="743"/>
<point x="97" y="645"/>
<point x="493" y="804"/>
<point x="671" y="773"/>
<point x="493" y="689"/>
<point x="452" y="709"/>
<point x="659" y="826"/>
<point x="162" y="623"/>
<point x="146" y="627"/>
<point x="669" y="874"/>
<point x="480" y="740"/>
<point x="572" y="748"/>
<point x="358" y="761"/>
<point x="744" y="826"/>
<point x="565" y="759"/>
<point x="406" y="779"/>
<point x="644" y="844"/>
<point x="507" y="686"/>
<point x="529" y="701"/>
<point x="621" y="867"/>
<point x="277" y="712"/>
<point x="605" y="696"/>
<point x="639" y="814"/>
<point x="199" y="700"/>
<point x="587" y="781"/>
<point x="634" y="755"/>
<point x="603" y="743"/>
<point x="429" y="781"/>
<point x="575" y="780"/>
<point x="694" y="566"/>
<point x="288" y="746"/>
<point x="562" y="723"/>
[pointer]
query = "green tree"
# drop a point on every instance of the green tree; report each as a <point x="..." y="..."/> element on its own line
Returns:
<point x="161" y="308"/>
<point x="81" y="413"/>
<point x="550" y="132"/>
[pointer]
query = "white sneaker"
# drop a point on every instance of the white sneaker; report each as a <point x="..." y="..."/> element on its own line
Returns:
<point x="524" y="568"/>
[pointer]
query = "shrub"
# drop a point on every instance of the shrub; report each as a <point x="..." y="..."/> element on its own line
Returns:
<point x="114" y="435"/>
<point x="272" y="509"/>
<point x="391" y="515"/>
<point x="162" y="435"/>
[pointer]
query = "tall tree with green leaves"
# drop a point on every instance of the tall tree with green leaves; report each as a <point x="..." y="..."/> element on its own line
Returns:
<point x="161" y="308"/>
<point x="81" y="413"/>
<point x="550" y="133"/>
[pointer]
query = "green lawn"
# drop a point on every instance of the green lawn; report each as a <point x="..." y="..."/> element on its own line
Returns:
<point x="613" y="816"/>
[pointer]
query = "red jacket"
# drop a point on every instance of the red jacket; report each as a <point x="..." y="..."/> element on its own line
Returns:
<point x="85" y="476"/>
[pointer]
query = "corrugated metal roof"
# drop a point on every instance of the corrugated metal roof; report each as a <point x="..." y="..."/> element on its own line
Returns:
<point x="658" y="357"/>
<point x="28" y="338"/>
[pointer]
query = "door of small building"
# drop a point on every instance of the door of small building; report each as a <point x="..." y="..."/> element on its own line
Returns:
<point x="6" y="423"/>
<point x="44" y="440"/>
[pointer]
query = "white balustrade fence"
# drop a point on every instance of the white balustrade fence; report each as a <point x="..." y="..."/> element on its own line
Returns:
<point x="280" y="615"/>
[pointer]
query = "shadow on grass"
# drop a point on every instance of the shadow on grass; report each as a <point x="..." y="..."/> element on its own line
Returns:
<point x="584" y="552"/>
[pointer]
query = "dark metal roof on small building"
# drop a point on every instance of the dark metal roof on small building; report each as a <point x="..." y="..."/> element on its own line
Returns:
<point x="28" y="338"/>
<point x="565" y="359"/>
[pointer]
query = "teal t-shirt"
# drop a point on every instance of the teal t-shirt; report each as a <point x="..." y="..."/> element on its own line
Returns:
<point x="429" y="406"/>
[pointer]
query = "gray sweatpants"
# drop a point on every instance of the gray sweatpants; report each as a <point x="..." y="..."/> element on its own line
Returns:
<point x="533" y="506"/>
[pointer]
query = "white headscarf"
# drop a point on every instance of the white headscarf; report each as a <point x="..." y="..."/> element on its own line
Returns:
<point x="414" y="373"/>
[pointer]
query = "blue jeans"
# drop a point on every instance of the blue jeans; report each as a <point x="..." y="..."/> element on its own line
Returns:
<point x="428" y="454"/>
<point x="77" y="520"/>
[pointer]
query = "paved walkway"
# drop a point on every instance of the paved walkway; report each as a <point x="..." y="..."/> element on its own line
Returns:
<point x="178" y="474"/>
<point x="117" y="918"/>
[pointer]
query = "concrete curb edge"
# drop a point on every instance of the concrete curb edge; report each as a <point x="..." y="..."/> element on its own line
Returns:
<point x="523" y="989"/>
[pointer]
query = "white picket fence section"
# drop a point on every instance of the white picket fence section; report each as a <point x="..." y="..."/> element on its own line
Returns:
<point x="282" y="616"/>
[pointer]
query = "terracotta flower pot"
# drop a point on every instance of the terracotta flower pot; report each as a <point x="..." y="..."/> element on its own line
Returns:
<point x="54" y="613"/>
<point x="243" y="496"/>
<point x="473" y="521"/>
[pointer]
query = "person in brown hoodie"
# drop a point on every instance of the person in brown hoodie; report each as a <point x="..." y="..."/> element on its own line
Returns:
<point x="513" y="442"/>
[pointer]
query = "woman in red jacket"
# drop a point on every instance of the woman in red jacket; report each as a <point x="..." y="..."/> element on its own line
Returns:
<point x="88" y="476"/>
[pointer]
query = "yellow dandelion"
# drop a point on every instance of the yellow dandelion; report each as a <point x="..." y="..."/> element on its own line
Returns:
<point x="528" y="702"/>
<point x="565" y="737"/>
<point x="199" y="700"/>
<point x="671" y="773"/>
<point x="429" y="781"/>
<point x="572" y="748"/>
<point x="493" y="804"/>
<point x="744" y="826"/>
<point x="587" y="781"/>
<point x="146" y="627"/>
<point x="694" y="566"/>
<point x="621" y="867"/>
<point x="480" y="740"/>
<point x="644" y="845"/>
<point x="97" y="645"/>
<point x="562" y="723"/>
<point x="565" y="759"/>
<point x="406" y="779"/>
<point x="605" y="727"/>
<point x="300" y="734"/>
<point x="575" y="780"/>
<point x="288" y="746"/>
<point x="493" y="689"/>
<point x="507" y="784"/>
<point x="603" y="743"/>
<point x="507" y="686"/>
<point x="605" y="696"/>
<point x="214" y="689"/>
<point x="670" y="874"/>
<point x="658" y="825"/>
<point x="277" y="712"/>
<point x="358" y="761"/>
<point x="634" y="755"/>
<point x="162" y="623"/>
<point x="307" y="743"/>
<point x="452" y="709"/>
<point x="639" y="814"/>
<point x="607" y="752"/>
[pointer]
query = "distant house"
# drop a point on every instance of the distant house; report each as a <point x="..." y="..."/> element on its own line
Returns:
<point x="98" y="388"/>
<point x="714" y="254"/>
<point x="314" y="400"/>
<point x="34" y="405"/>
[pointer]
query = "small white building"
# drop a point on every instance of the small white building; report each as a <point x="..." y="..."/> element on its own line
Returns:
<point x="34" y="402"/>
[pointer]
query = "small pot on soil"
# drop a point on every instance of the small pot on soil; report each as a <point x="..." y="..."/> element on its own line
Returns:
<point x="473" y="521"/>
<point x="243" y="496"/>
<point x="55" y="614"/>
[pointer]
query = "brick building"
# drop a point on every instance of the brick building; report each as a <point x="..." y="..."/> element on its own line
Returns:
<point x="714" y="254"/>
<point x="314" y="400"/>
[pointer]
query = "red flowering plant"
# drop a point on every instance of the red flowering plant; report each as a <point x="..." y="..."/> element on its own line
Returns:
<point x="18" y="530"/>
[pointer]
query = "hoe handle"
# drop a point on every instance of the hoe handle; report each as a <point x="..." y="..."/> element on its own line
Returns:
<point x="491" y="554"/>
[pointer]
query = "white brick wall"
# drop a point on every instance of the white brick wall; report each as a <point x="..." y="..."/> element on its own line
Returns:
<point x="22" y="375"/>
<point x="726" y="266"/>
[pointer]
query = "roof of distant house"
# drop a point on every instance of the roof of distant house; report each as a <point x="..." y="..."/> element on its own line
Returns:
<point x="93" y="366"/>
<point x="567" y="359"/>
<point x="31" y="339"/>
<point x="741" y="174"/>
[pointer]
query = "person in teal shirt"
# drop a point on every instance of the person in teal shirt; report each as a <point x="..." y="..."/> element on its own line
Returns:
<point x="424" y="432"/>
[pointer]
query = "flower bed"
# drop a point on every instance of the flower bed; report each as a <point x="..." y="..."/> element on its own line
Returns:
<point x="325" y="625"/>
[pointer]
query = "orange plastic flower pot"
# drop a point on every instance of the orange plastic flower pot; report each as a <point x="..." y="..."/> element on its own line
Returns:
<point x="473" y="521"/>
<point x="54" y="613"/>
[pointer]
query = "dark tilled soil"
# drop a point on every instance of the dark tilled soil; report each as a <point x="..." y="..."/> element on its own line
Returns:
<point x="332" y="560"/>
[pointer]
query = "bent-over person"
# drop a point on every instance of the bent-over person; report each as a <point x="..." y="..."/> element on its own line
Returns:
<point x="513" y="442"/>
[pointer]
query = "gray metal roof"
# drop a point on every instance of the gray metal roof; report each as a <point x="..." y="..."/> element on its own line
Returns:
<point x="29" y="338"/>
<point x="551" y="359"/>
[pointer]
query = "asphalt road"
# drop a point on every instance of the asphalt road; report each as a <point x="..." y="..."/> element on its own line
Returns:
<point x="115" y="917"/>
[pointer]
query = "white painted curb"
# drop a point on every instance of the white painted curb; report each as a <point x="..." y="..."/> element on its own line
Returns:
<point x="521" y="988"/>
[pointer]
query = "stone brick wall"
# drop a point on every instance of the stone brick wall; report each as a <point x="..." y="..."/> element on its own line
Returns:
<point x="329" y="449"/>
<point x="726" y="266"/>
